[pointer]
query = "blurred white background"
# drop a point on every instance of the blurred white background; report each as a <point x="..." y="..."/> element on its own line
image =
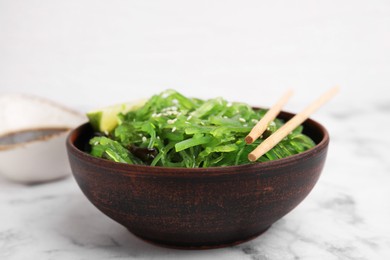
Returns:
<point x="89" y="53"/>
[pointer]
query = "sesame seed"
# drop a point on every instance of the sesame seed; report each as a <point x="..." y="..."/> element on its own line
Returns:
<point x="242" y="120"/>
<point x="172" y="108"/>
<point x="171" y="121"/>
<point x="175" y="101"/>
<point x="143" y="139"/>
<point x="255" y="121"/>
<point x="225" y="117"/>
<point x="173" y="129"/>
<point x="189" y="117"/>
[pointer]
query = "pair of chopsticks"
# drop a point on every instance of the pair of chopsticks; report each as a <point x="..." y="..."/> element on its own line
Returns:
<point x="287" y="128"/>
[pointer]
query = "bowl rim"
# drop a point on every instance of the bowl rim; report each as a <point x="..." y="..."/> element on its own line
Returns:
<point x="139" y="170"/>
<point x="62" y="131"/>
<point x="33" y="98"/>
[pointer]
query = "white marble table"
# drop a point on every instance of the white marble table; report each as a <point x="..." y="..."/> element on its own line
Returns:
<point x="90" y="53"/>
<point x="344" y="217"/>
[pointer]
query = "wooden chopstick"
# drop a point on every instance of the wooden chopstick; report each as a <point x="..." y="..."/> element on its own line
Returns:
<point x="293" y="123"/>
<point x="271" y="114"/>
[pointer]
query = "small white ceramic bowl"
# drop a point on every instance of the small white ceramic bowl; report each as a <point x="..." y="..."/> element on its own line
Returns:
<point x="28" y="152"/>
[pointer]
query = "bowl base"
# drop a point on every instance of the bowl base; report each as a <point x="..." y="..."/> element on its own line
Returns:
<point x="200" y="246"/>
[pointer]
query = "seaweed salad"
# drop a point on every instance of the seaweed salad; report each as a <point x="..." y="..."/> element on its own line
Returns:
<point x="173" y="130"/>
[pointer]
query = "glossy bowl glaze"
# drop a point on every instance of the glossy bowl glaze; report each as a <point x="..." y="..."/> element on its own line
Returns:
<point x="198" y="208"/>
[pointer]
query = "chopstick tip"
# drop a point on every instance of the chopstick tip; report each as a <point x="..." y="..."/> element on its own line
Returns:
<point x="252" y="157"/>
<point x="335" y="89"/>
<point x="249" y="139"/>
<point x="290" y="91"/>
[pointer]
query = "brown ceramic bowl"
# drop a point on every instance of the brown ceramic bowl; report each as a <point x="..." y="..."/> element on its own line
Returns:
<point x="198" y="208"/>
